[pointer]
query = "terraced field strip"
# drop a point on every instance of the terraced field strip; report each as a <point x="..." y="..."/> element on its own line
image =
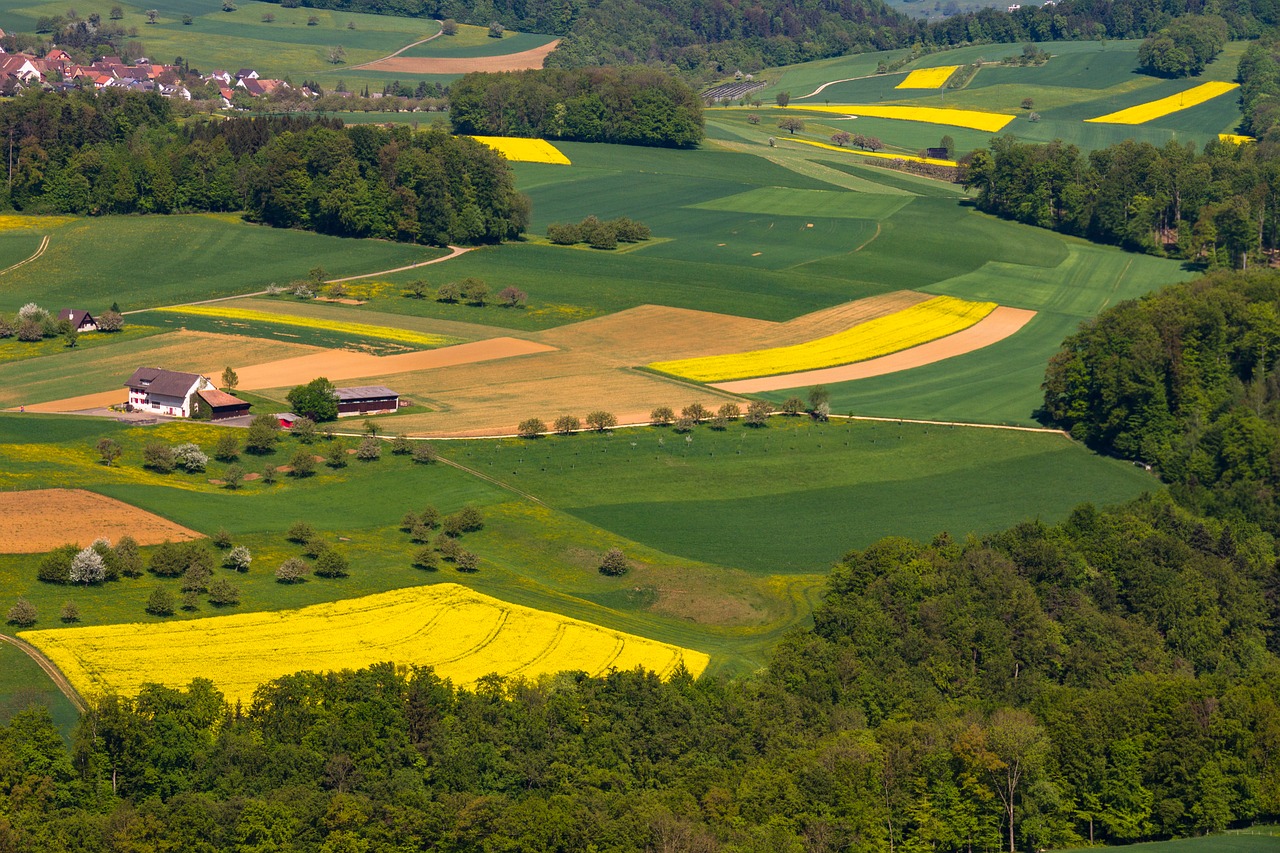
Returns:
<point x="522" y="150"/>
<point x="1142" y="113"/>
<point x="463" y="634"/>
<point x="930" y="320"/>
<point x="884" y="155"/>
<point x="972" y="119"/>
<point x="385" y="333"/>
<point x="995" y="327"/>
<point x="39" y="520"/>
<point x="928" y="78"/>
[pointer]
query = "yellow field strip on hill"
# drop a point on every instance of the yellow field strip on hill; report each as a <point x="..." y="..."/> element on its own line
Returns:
<point x="1235" y="138"/>
<point x="928" y="78"/>
<point x="525" y="150"/>
<point x="365" y="330"/>
<point x="927" y="321"/>
<point x="884" y="155"/>
<point x="1157" y="109"/>
<point x="973" y="119"/>
<point x="463" y="634"/>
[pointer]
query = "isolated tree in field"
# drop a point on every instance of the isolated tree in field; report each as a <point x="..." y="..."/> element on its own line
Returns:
<point x="426" y="558"/>
<point x="449" y="27"/>
<point x="683" y="424"/>
<point x="531" y="428"/>
<point x="719" y="422"/>
<point x="450" y="291"/>
<point x="22" y="613"/>
<point x="466" y="561"/>
<point x="792" y="406"/>
<point x="315" y="400"/>
<point x="752" y="118"/>
<point x="614" y="563"/>
<point x="496" y="30"/>
<point x="1028" y="103"/>
<point x="152" y="15"/>
<point x="262" y="435"/>
<point x="948" y="143"/>
<point x="226" y="448"/>
<point x="423" y="453"/>
<point x="233" y="477"/>
<point x="662" y="416"/>
<point x="70" y="612"/>
<point x="337" y="53"/>
<point x="782" y="98"/>
<point x="190" y="457"/>
<point x="419" y="532"/>
<point x="447" y="546"/>
<point x="116" y="13"/>
<point x="128" y="559"/>
<point x="188" y="20"/>
<point x="512" y="296"/>
<point x="600" y="420"/>
<point x="222" y="539"/>
<point x="401" y="446"/>
<point x="331" y="564"/>
<point x="71" y="338"/>
<point x="729" y="411"/>
<point x="269" y="475"/>
<point x="300" y="532"/>
<point x="230" y="379"/>
<point x="293" y="570"/>
<point x="196" y="578"/>
<point x="223" y="593"/>
<point x="695" y="412"/>
<point x="109" y="449"/>
<point x="841" y="138"/>
<point x="160" y="602"/>
<point x="475" y="291"/>
<point x="110" y="321"/>
<point x="371" y="427"/>
<point x="336" y="455"/>
<point x="757" y="413"/>
<point x="791" y="124"/>
<point x="417" y="289"/>
<point x="369" y="449"/>
<point x="87" y="567"/>
<point x="303" y="464"/>
<point x="268" y="18"/>
<point x="304" y="430"/>
<point x="566" y="424"/>
<point x="818" y="395"/>
<point x="238" y="558"/>
<point x="158" y="457"/>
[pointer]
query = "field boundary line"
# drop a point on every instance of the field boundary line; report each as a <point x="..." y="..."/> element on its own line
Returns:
<point x="393" y="55"/>
<point x="454" y="252"/>
<point x="494" y="480"/>
<point x="968" y="424"/>
<point x="44" y="244"/>
<point x="818" y="90"/>
<point x="55" y="675"/>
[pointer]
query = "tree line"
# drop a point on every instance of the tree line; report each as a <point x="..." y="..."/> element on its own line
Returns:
<point x="1111" y="678"/>
<point x="125" y="153"/>
<point x="1188" y="381"/>
<point x="1259" y="74"/>
<point x="631" y="106"/>
<point x="1220" y="207"/>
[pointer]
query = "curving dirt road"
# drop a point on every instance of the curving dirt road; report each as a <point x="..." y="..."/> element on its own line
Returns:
<point x="55" y="674"/>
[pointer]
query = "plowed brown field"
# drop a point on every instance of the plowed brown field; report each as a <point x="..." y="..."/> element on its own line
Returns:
<point x="521" y="61"/>
<point x="35" y="521"/>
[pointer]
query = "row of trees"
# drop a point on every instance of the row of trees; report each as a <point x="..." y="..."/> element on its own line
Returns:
<point x="1259" y="74"/>
<point x="1221" y="206"/>
<point x="598" y="233"/>
<point x="631" y="106"/>
<point x="1108" y="679"/>
<point x="108" y="153"/>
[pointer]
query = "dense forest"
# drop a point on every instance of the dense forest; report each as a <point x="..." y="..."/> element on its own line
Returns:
<point x="1110" y="678"/>
<point x="632" y="106"/>
<point x="113" y="152"/>
<point x="1221" y="207"/>
<point x="1188" y="380"/>
<point x="711" y="37"/>
<point x="1259" y="74"/>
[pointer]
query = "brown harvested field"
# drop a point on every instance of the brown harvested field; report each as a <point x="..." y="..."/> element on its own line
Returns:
<point x="521" y="61"/>
<point x="996" y="326"/>
<point x="32" y="522"/>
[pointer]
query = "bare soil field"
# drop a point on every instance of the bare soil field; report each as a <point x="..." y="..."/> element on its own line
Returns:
<point x="32" y="522"/>
<point x="521" y="61"/>
<point x="996" y="326"/>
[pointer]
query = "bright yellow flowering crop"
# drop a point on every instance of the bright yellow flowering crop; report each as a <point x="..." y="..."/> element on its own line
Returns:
<point x="382" y="333"/>
<point x="930" y="320"/>
<point x="1235" y="138"/>
<point x="463" y="634"/>
<point x="928" y="78"/>
<point x="990" y="122"/>
<point x="1157" y="109"/>
<point x="524" y="150"/>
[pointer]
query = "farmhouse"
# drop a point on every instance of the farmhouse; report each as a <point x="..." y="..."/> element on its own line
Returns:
<point x="165" y="392"/>
<point x="366" y="400"/>
<point x="81" y="321"/>
<point x="220" y="405"/>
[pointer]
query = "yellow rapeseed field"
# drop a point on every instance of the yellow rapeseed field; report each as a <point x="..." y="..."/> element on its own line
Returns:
<point x="13" y="222"/>
<point x="973" y="119"/>
<point x="927" y="321"/>
<point x="1235" y="138"/>
<point x="888" y="155"/>
<point x="928" y="78"/>
<point x="463" y="634"/>
<point x="382" y="333"/>
<point x="525" y="150"/>
<point x="1156" y="109"/>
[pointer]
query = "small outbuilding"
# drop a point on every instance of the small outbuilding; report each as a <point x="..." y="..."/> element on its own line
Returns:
<point x="81" y="321"/>
<point x="221" y="405"/>
<point x="366" y="400"/>
<point x="285" y="419"/>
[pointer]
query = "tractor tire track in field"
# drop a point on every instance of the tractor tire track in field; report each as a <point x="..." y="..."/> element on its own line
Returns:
<point x="44" y="244"/>
<point x="398" y="52"/>
<point x="55" y="675"/>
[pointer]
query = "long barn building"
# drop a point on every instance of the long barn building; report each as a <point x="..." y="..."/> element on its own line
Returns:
<point x="366" y="400"/>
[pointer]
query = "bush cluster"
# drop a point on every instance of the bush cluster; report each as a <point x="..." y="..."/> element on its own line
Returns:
<point x="598" y="233"/>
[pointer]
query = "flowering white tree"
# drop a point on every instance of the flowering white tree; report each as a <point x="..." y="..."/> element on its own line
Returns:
<point x="32" y="311"/>
<point x="87" y="567"/>
<point x="190" y="457"/>
<point x="239" y="559"/>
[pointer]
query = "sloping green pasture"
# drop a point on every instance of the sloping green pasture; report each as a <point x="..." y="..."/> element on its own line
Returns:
<point x="475" y="41"/>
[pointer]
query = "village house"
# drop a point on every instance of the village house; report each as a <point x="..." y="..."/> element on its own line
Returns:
<point x="81" y="321"/>
<point x="165" y="392"/>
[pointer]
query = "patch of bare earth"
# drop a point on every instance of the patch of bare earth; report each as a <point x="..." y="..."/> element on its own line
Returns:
<point x="522" y="61"/>
<point x="35" y="521"/>
<point x="995" y="327"/>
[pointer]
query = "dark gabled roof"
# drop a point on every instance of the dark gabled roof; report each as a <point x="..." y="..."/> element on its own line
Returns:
<point x="75" y="315"/>
<point x="218" y="399"/>
<point x="245" y="72"/>
<point x="363" y="392"/>
<point x="170" y="383"/>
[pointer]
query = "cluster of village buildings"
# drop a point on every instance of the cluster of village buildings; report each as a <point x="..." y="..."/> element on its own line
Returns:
<point x="57" y="70"/>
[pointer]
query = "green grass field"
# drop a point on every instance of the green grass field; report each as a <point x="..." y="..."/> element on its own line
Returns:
<point x="1257" y="839"/>
<point x="475" y="41"/>
<point x="93" y="262"/>
<point x="23" y="685"/>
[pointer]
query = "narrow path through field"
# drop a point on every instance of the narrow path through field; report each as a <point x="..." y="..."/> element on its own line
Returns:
<point x="55" y="674"/>
<point x="818" y="90"/>
<point x="454" y="252"/>
<point x="397" y="53"/>
<point x="44" y="244"/>
<point x="499" y="483"/>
